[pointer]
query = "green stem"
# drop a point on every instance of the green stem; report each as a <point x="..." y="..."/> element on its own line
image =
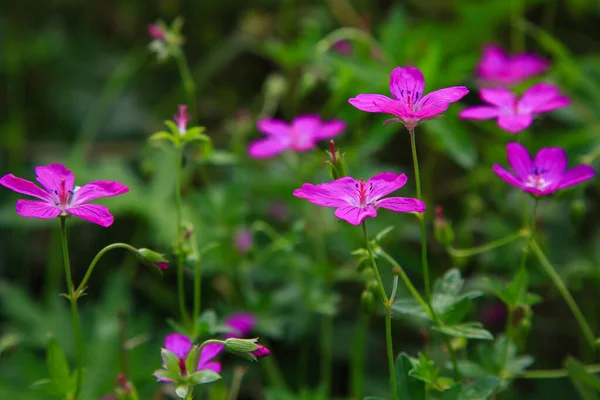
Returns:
<point x="554" y="373"/>
<point x="564" y="291"/>
<point x="357" y="361"/>
<point x="388" y="316"/>
<point x="460" y="253"/>
<point x="186" y="77"/>
<point x="180" y="235"/>
<point x="424" y="263"/>
<point x="197" y="294"/>
<point x="326" y="354"/>
<point x="82" y="286"/>
<point x="532" y="225"/>
<point x="74" y="313"/>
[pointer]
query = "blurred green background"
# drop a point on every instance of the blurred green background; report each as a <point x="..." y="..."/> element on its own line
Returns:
<point x="82" y="88"/>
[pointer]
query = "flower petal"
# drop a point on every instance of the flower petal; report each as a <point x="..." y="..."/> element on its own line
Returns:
<point x="355" y="215"/>
<point x="542" y="97"/>
<point x="332" y="194"/>
<point x="383" y="184"/>
<point x="213" y="366"/>
<point x="507" y="176"/>
<point x="37" y="209"/>
<point x="329" y="129"/>
<point x="92" y="212"/>
<point x="265" y="148"/>
<point x="273" y="127"/>
<point x="369" y="102"/>
<point x="479" y="112"/>
<point x="514" y="123"/>
<point x="97" y="189"/>
<point x="519" y="160"/>
<point x="500" y="97"/>
<point x="397" y="108"/>
<point x="51" y="177"/>
<point x="407" y="84"/>
<point x="576" y="175"/>
<point x="444" y="96"/>
<point x="551" y="162"/>
<point x="24" y="186"/>
<point x="241" y="323"/>
<point x="524" y="65"/>
<point x="178" y="344"/>
<point x="493" y="61"/>
<point x="402" y="204"/>
<point x="209" y="352"/>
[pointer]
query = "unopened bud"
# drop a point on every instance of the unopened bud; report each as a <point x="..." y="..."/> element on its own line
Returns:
<point x="442" y="229"/>
<point x="367" y="302"/>
<point x="246" y="348"/>
<point x="152" y="258"/>
<point x="336" y="163"/>
<point x="261" y="352"/>
<point x="373" y="285"/>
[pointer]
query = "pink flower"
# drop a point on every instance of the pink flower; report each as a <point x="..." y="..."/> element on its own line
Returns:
<point x="498" y="68"/>
<point x="181" y="345"/>
<point x="59" y="196"/>
<point x="545" y="174"/>
<point x="182" y="118"/>
<point x="240" y="323"/>
<point x="301" y="135"/>
<point x="343" y="47"/>
<point x="243" y="240"/>
<point x="261" y="352"/>
<point x="409" y="106"/>
<point x="156" y="32"/>
<point x="163" y="266"/>
<point x="356" y="200"/>
<point x="514" y="114"/>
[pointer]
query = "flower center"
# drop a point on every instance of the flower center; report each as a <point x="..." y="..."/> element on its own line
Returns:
<point x="62" y="195"/>
<point x="363" y="193"/>
<point x="411" y="98"/>
<point x="182" y="366"/>
<point x="536" y="179"/>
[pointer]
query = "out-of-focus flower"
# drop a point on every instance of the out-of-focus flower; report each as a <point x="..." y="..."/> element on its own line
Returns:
<point x="240" y="324"/>
<point x="279" y="211"/>
<point x="243" y="240"/>
<point x="356" y="200"/>
<point x="301" y="135"/>
<point x="179" y="133"/>
<point x="546" y="174"/>
<point x="343" y="47"/>
<point x="181" y="118"/>
<point x="156" y="32"/>
<point x="60" y="197"/>
<point x="409" y="106"/>
<point x="496" y="67"/>
<point x="514" y="114"/>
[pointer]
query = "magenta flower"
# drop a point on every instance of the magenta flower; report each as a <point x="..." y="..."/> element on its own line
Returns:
<point x="261" y="352"/>
<point x="240" y="324"/>
<point x="243" y="240"/>
<point x="357" y="200"/>
<point x="301" y="135"/>
<point x="156" y="32"/>
<point x="544" y="175"/>
<point x="60" y="197"/>
<point x="409" y="106"/>
<point x="343" y="47"/>
<point x="514" y="114"/>
<point x="498" y="68"/>
<point x="181" y="118"/>
<point x="181" y="345"/>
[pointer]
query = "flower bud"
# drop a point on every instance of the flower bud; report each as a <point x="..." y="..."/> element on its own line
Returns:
<point x="152" y="258"/>
<point x="336" y="163"/>
<point x="442" y="229"/>
<point x="261" y="352"/>
<point x="367" y="301"/>
<point x="244" y="348"/>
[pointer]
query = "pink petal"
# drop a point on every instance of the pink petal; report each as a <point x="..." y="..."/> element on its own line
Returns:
<point x="369" y="102"/>
<point x="401" y="204"/>
<point x="333" y="194"/>
<point x="525" y="65"/>
<point x="273" y="127"/>
<point x="306" y="125"/>
<point x="507" y="176"/>
<point x="213" y="366"/>
<point x="355" y="215"/>
<point x="265" y="148"/>
<point x="97" y="189"/>
<point x="209" y="352"/>
<point x="92" y="212"/>
<point x="519" y="160"/>
<point x="542" y="97"/>
<point x="576" y="175"/>
<point x="178" y="344"/>
<point x="500" y="97"/>
<point x="383" y="184"/>
<point x="479" y="112"/>
<point x="398" y="109"/>
<point x="444" y="96"/>
<point x="431" y="111"/>
<point x="51" y="177"/>
<point x="242" y="323"/>
<point x="551" y="162"/>
<point x="514" y="123"/>
<point x="407" y="84"/>
<point x="23" y="186"/>
<point x="37" y="209"/>
<point x="330" y="129"/>
<point x="493" y="61"/>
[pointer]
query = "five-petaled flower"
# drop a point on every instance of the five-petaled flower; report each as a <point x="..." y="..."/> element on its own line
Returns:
<point x="182" y="118"/>
<point x="514" y="114"/>
<point x="301" y="135"/>
<point x="546" y="174"/>
<point x="60" y="197"/>
<point x="409" y="106"/>
<point x="181" y="345"/>
<point x="356" y="199"/>
<point x="498" y="68"/>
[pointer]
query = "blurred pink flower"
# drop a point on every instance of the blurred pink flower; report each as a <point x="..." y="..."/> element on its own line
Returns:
<point x="544" y="175"/>
<point x="514" y="114"/>
<point x="243" y="240"/>
<point x="156" y="32"/>
<point x="301" y="135"/>
<point x="496" y="67"/>
<point x="60" y="197"/>
<point x="343" y="47"/>
<point x="240" y="323"/>
<point x="357" y="200"/>
<point x="409" y="106"/>
<point x="182" y="118"/>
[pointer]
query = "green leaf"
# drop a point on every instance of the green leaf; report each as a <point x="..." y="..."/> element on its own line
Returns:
<point x="173" y="127"/>
<point x="425" y="370"/>
<point x="58" y="368"/>
<point x="481" y="389"/>
<point x="204" y="376"/>
<point x="170" y="360"/>
<point x="453" y="393"/>
<point x="182" y="391"/>
<point x="165" y="374"/>
<point x="447" y="301"/>
<point x="409" y="387"/>
<point x="162" y="135"/>
<point x="470" y="330"/>
<point x="585" y="383"/>
<point x="409" y="306"/>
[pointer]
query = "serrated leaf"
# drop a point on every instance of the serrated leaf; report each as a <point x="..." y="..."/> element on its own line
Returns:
<point x="409" y="388"/>
<point x="424" y="370"/>
<point x="481" y="389"/>
<point x="447" y="301"/>
<point x="469" y="330"/>
<point x="204" y="376"/>
<point x="411" y="307"/>
<point x="58" y="367"/>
